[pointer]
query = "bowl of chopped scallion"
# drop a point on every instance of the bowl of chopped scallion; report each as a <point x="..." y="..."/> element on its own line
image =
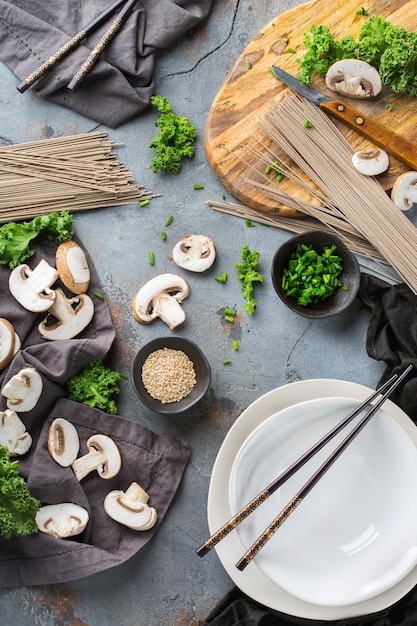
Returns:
<point x="315" y="274"/>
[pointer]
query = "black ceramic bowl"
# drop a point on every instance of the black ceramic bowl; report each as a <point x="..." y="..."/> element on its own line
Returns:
<point x="201" y="368"/>
<point x="350" y="276"/>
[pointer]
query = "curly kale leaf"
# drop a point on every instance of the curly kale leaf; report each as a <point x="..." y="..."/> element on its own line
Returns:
<point x="16" y="237"/>
<point x="95" y="385"/>
<point x="248" y="276"/>
<point x="322" y="51"/>
<point x="18" y="507"/>
<point x="174" y="140"/>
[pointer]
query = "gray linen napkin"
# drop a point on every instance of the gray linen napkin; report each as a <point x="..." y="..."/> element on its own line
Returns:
<point x="122" y="80"/>
<point x="155" y="462"/>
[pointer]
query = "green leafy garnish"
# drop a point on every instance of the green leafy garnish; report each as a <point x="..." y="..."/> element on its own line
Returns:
<point x="174" y="140"/>
<point x="18" y="507"/>
<point x="310" y="276"/>
<point x="16" y="237"/>
<point x="248" y="276"/>
<point x="95" y="385"/>
<point x="391" y="49"/>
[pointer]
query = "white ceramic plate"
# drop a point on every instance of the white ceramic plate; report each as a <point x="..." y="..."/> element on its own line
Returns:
<point x="355" y="534"/>
<point x="253" y="581"/>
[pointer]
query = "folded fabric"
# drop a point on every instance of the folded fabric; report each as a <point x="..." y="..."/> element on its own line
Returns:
<point x="120" y="85"/>
<point x="155" y="462"/>
<point x="392" y="334"/>
<point x="237" y="609"/>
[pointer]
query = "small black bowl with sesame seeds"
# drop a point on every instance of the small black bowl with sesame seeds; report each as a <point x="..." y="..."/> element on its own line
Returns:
<point x="170" y="374"/>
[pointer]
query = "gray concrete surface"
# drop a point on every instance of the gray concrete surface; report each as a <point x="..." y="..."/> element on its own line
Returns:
<point x="166" y="584"/>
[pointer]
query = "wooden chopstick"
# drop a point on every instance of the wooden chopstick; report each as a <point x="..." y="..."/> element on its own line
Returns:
<point x="314" y="479"/>
<point x="102" y="44"/>
<point x="287" y="473"/>
<point x="69" y="45"/>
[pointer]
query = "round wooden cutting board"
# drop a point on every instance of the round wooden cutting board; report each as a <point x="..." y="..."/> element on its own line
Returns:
<point x="250" y="89"/>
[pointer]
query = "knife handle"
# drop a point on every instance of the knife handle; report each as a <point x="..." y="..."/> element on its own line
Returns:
<point x="404" y="150"/>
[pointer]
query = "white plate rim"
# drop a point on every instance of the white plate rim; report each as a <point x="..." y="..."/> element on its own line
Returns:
<point x="252" y="581"/>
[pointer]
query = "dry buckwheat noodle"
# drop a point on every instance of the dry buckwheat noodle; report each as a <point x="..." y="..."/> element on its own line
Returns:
<point x="339" y="198"/>
<point x="74" y="173"/>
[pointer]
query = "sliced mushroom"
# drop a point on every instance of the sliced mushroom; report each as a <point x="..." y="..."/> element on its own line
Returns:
<point x="62" y="520"/>
<point x="195" y="253"/>
<point x="404" y="191"/>
<point x="130" y="508"/>
<point x="23" y="390"/>
<point x="161" y="297"/>
<point x="354" y="78"/>
<point x="31" y="288"/>
<point x="72" y="266"/>
<point x="103" y="456"/>
<point x="371" y="162"/>
<point x="63" y="441"/>
<point x="13" y="433"/>
<point x="72" y="315"/>
<point x="7" y="342"/>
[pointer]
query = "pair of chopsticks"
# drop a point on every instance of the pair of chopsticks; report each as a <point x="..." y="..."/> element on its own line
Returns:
<point x="384" y="391"/>
<point x="72" y="43"/>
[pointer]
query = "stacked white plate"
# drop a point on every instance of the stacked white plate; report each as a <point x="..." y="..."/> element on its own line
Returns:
<point x="350" y="547"/>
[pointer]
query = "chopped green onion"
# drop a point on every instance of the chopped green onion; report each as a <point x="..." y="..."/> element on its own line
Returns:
<point x="229" y="318"/>
<point x="169" y="220"/>
<point x="308" y="124"/>
<point x="229" y="311"/>
<point x="280" y="176"/>
<point x="98" y="295"/>
<point x="235" y="345"/>
<point x="143" y="202"/>
<point x="389" y="106"/>
<point x="292" y="50"/>
<point x="198" y="186"/>
<point x="268" y="169"/>
<point x="222" y="278"/>
<point x="163" y="236"/>
<point x="226" y="361"/>
<point x="249" y="65"/>
<point x="249" y="224"/>
<point x="223" y="196"/>
<point x="151" y="257"/>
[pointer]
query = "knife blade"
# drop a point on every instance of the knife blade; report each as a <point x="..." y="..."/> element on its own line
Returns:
<point x="396" y="145"/>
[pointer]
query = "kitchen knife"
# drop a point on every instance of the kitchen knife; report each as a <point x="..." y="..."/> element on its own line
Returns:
<point x="402" y="149"/>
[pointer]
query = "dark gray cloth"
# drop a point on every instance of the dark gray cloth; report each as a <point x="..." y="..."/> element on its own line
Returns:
<point x="120" y="85"/>
<point x="156" y="462"/>
<point x="392" y="335"/>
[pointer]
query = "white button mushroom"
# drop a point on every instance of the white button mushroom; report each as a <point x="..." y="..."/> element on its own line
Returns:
<point x="71" y="316"/>
<point x="130" y="508"/>
<point x="13" y="433"/>
<point x="63" y="441"/>
<point x="404" y="191"/>
<point x="31" y="288"/>
<point x="72" y="266"/>
<point x="7" y="342"/>
<point x="195" y="253"/>
<point x="161" y="297"/>
<point x="62" y="520"/>
<point x="354" y="78"/>
<point x="103" y="456"/>
<point x="23" y="390"/>
<point x="371" y="162"/>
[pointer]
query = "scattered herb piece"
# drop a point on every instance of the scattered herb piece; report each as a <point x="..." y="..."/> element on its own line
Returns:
<point x="285" y="39"/>
<point x="18" y="507"/>
<point x="249" y="224"/>
<point x="228" y="311"/>
<point x="169" y="220"/>
<point x="249" y="65"/>
<point x="222" y="278"/>
<point x="226" y="361"/>
<point x="229" y="318"/>
<point x="310" y="276"/>
<point x="198" y="186"/>
<point x="151" y="258"/>
<point x="163" y="236"/>
<point x="95" y="385"/>
<point x="248" y="276"/>
<point x="98" y="295"/>
<point x="362" y="11"/>
<point x="308" y="124"/>
<point x="143" y="203"/>
<point x="174" y="140"/>
<point x="389" y="106"/>
<point x="280" y="176"/>
<point x="235" y="345"/>
<point x="16" y="237"/>
<point x="223" y="196"/>
<point x="292" y="50"/>
<point x="268" y="169"/>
